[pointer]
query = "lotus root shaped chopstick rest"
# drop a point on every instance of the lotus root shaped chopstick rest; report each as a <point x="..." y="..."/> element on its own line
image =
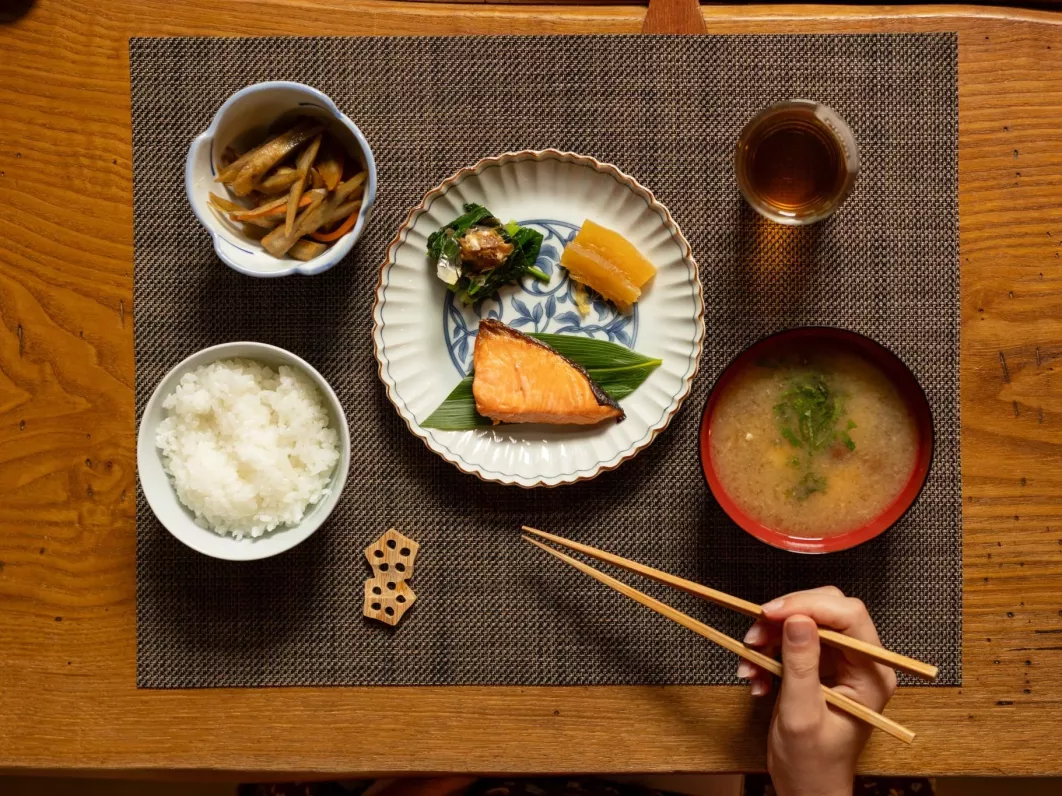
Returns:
<point x="387" y="595"/>
<point x="387" y="600"/>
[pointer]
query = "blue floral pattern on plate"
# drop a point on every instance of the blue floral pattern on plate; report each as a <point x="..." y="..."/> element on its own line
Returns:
<point x="534" y="306"/>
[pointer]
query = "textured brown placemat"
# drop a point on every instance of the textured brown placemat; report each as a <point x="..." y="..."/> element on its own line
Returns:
<point x="491" y="609"/>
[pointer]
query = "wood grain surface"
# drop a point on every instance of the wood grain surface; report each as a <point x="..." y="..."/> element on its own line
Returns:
<point x="673" y="16"/>
<point x="67" y="466"/>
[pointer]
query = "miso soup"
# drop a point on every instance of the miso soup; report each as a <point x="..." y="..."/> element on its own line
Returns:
<point x="813" y="441"/>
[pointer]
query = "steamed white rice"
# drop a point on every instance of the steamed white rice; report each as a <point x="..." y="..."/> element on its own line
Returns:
<point x="248" y="449"/>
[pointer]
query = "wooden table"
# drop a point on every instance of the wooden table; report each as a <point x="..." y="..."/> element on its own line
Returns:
<point x="67" y="466"/>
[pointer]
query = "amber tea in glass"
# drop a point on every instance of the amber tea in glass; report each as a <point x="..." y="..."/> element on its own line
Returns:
<point x="796" y="162"/>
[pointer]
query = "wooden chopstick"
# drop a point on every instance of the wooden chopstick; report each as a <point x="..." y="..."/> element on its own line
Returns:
<point x="755" y="656"/>
<point x="892" y="659"/>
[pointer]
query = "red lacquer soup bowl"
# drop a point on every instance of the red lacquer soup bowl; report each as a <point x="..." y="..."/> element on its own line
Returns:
<point x="910" y="392"/>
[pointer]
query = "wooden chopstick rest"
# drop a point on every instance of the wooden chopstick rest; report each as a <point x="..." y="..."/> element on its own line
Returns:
<point x="387" y="600"/>
<point x="392" y="556"/>
<point x="387" y="595"/>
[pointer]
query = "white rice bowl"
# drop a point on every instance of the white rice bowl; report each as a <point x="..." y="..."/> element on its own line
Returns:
<point x="247" y="448"/>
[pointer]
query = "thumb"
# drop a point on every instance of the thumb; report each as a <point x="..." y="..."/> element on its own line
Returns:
<point x="801" y="692"/>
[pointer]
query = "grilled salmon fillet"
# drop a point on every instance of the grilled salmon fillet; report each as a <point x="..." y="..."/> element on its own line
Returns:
<point x="521" y="380"/>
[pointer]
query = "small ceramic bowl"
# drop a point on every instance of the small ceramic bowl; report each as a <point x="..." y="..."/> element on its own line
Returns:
<point x="906" y="385"/>
<point x="162" y="497"/>
<point x="243" y="121"/>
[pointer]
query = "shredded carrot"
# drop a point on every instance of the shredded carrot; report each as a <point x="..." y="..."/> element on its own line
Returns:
<point x="340" y="231"/>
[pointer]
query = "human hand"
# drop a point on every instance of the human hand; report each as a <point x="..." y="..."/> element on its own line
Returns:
<point x="811" y="749"/>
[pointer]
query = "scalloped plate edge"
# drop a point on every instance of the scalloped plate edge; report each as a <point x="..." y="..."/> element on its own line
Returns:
<point x="400" y="238"/>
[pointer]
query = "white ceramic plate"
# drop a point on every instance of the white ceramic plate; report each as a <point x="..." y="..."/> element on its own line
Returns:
<point x="424" y="339"/>
<point x="159" y="490"/>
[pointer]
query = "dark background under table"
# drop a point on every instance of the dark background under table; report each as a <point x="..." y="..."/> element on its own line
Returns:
<point x="490" y="609"/>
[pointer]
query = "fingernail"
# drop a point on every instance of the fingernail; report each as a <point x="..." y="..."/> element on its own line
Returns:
<point x="799" y="631"/>
<point x="745" y="670"/>
<point x="758" y="689"/>
<point x="773" y="605"/>
<point x="755" y="635"/>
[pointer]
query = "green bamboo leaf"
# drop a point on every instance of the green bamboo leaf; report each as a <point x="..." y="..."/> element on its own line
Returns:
<point x="617" y="370"/>
<point x="458" y="411"/>
<point x="590" y="353"/>
<point x="622" y="381"/>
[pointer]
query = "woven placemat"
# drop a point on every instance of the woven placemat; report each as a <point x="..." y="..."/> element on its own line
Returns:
<point x="491" y="610"/>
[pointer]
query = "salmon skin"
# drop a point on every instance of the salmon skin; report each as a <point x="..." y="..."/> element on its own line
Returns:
<point x="519" y="379"/>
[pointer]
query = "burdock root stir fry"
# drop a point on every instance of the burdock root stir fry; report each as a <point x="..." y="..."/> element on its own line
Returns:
<point x="301" y="192"/>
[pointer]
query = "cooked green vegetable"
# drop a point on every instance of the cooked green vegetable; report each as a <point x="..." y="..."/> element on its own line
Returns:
<point x="617" y="370"/>
<point x="807" y="416"/>
<point x="808" y="485"/>
<point x="475" y="254"/>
